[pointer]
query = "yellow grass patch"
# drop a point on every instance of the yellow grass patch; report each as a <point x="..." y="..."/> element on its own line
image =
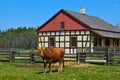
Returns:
<point x="74" y="64"/>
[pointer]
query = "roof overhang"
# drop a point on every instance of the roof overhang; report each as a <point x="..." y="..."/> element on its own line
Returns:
<point x="107" y="34"/>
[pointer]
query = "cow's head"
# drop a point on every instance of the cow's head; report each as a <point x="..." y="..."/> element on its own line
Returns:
<point x="41" y="51"/>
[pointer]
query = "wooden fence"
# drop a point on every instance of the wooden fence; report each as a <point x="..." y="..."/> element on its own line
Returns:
<point x="5" y="54"/>
<point x="10" y="55"/>
<point x="104" y="55"/>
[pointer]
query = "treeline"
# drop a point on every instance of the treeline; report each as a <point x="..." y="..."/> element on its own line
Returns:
<point x="22" y="37"/>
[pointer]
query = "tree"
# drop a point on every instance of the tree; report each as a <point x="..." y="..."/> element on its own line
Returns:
<point x="19" y="38"/>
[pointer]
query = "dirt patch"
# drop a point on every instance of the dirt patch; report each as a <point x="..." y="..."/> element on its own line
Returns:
<point x="4" y="53"/>
<point x="31" y="66"/>
<point x="34" y="66"/>
<point x="75" y="64"/>
<point x="67" y="64"/>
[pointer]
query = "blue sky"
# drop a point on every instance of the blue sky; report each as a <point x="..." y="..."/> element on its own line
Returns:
<point x="33" y="13"/>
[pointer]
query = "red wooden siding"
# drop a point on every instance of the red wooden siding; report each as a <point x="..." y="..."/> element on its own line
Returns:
<point x="69" y="23"/>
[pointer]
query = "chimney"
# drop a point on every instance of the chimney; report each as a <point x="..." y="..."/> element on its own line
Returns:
<point x="82" y="10"/>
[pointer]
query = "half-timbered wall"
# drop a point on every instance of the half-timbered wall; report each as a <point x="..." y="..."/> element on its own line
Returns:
<point x="62" y="40"/>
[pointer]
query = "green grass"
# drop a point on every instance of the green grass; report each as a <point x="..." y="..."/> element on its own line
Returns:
<point x="74" y="71"/>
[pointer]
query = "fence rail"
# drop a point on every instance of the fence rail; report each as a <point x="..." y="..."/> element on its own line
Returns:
<point x="10" y="55"/>
<point x="30" y="55"/>
<point x="106" y="55"/>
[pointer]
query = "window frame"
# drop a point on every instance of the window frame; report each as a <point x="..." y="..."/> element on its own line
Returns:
<point x="62" y="25"/>
<point x="73" y="41"/>
<point x="107" y="42"/>
<point x="51" y="44"/>
<point x="97" y="41"/>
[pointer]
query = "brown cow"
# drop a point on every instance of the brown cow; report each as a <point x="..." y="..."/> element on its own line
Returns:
<point x="52" y="55"/>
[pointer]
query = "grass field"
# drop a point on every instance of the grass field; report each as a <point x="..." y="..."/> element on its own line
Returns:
<point x="73" y="71"/>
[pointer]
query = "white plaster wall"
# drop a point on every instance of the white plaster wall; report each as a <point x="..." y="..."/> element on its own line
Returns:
<point x="44" y="33"/>
<point x="48" y="33"/>
<point x="61" y="38"/>
<point x="57" y="33"/>
<point x="87" y="32"/>
<point x="67" y="44"/>
<point x="86" y="44"/>
<point x="79" y="44"/>
<point x="40" y="34"/>
<point x="67" y="51"/>
<point x="39" y="45"/>
<point x="46" y="44"/>
<point x="75" y="51"/>
<point x="77" y="32"/>
<point x="67" y="32"/>
<point x="57" y="38"/>
<point x="72" y="32"/>
<point x="79" y="38"/>
<point x="57" y="44"/>
<point x="46" y="38"/>
<point x="82" y="32"/>
<point x="61" y="44"/>
<point x="71" y="51"/>
<point x="62" y="33"/>
<point x="67" y="38"/>
<point x="52" y="33"/>
<point x="42" y="38"/>
<point x="84" y="38"/>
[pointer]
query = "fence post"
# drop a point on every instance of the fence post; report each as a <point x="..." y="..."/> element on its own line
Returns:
<point x="12" y="56"/>
<point x="77" y="58"/>
<point x="32" y="59"/>
<point x="108" y="57"/>
<point x="82" y="57"/>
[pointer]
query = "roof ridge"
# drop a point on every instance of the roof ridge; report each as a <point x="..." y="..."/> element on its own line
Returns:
<point x="79" y="13"/>
<point x="93" y="21"/>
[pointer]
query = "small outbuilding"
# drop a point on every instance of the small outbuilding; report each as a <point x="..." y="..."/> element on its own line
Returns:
<point x="73" y="31"/>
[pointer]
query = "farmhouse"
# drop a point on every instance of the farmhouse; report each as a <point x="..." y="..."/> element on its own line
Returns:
<point x="73" y="31"/>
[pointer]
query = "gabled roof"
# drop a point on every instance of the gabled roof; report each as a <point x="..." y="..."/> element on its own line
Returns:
<point x="96" y="24"/>
<point x="93" y="22"/>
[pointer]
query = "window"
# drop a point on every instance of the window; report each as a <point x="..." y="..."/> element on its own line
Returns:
<point x="107" y="42"/>
<point x="51" y="42"/>
<point x="117" y="43"/>
<point x="100" y="41"/>
<point x="97" y="41"/>
<point x="62" y="25"/>
<point x="73" y="41"/>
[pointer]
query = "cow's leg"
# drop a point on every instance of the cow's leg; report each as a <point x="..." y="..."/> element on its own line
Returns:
<point x="60" y="66"/>
<point x="45" y="64"/>
<point x="50" y="68"/>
